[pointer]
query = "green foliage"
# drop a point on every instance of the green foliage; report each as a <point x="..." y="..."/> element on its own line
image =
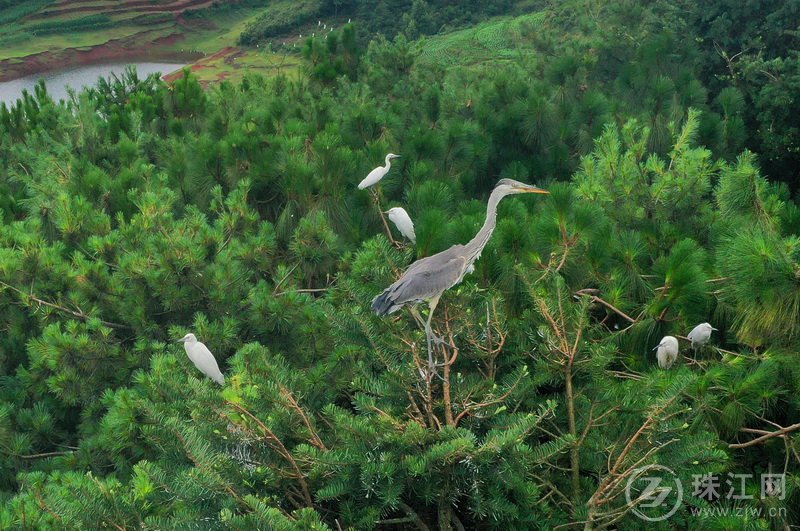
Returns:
<point x="14" y="10"/>
<point x="137" y="212"/>
<point x="751" y="47"/>
<point x="76" y="24"/>
<point x="278" y="18"/>
<point x="332" y="55"/>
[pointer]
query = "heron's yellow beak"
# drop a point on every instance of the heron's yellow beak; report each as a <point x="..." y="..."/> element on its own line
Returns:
<point x="530" y="190"/>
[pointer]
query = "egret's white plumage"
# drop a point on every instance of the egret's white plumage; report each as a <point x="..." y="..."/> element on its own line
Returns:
<point x="667" y="352"/>
<point x="403" y="222"/>
<point x="700" y="335"/>
<point x="202" y="358"/>
<point x="378" y="173"/>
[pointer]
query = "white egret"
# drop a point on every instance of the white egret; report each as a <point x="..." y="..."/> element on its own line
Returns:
<point x="700" y="335"/>
<point x="402" y="221"/>
<point x="667" y="352"/>
<point x="378" y="173"/>
<point x="202" y="358"/>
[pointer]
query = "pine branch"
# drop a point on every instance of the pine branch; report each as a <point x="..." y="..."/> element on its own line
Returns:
<point x="769" y="435"/>
<point x="414" y="516"/>
<point x="200" y="466"/>
<point x="595" y="298"/>
<point x="304" y="290"/>
<point x="615" y="477"/>
<point x="468" y="409"/>
<point x="43" y="505"/>
<point x="315" y="440"/>
<point x="45" y="454"/>
<point x="281" y="449"/>
<point x="80" y="315"/>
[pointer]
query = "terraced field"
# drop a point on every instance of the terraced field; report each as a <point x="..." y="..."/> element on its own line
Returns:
<point x="61" y="8"/>
<point x="41" y="35"/>
<point x="495" y="40"/>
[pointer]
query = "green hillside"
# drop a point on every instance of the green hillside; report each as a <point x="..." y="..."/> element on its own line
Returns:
<point x="45" y="35"/>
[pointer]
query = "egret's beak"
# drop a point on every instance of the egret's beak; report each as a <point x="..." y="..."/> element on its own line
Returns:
<point x="181" y="340"/>
<point x="530" y="189"/>
<point x="714" y="329"/>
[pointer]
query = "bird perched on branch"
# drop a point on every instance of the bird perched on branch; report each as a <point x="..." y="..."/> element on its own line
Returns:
<point x="378" y="173"/>
<point x="700" y="335"/>
<point x="429" y="277"/>
<point x="202" y="358"/>
<point x="667" y="352"/>
<point x="402" y="221"/>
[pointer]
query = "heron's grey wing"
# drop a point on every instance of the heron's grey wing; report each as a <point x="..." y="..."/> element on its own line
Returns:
<point x="423" y="279"/>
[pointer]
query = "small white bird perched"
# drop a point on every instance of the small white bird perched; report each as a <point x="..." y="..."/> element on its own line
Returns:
<point x="667" y="352"/>
<point x="403" y="222"/>
<point x="378" y="173"/>
<point x="202" y="358"/>
<point x="700" y="335"/>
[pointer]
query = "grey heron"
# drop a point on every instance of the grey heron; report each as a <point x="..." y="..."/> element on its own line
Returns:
<point x="378" y="173"/>
<point x="402" y="221"/>
<point x="202" y="358"/>
<point x="429" y="277"/>
<point x="700" y="335"/>
<point x="667" y="352"/>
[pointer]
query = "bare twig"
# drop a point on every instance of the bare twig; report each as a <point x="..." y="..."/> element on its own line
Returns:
<point x="315" y="440"/>
<point x="45" y="454"/>
<point x="595" y="298"/>
<point x="80" y="315"/>
<point x="769" y="435"/>
<point x="305" y="290"/>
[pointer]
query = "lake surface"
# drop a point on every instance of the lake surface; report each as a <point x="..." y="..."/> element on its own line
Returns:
<point x="77" y="77"/>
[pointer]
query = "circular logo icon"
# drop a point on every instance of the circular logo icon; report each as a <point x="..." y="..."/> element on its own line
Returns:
<point x="655" y="492"/>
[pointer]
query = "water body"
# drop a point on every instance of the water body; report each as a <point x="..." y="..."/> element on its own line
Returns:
<point x="77" y="77"/>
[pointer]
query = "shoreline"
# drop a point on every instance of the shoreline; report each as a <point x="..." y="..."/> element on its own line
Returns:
<point x="111" y="51"/>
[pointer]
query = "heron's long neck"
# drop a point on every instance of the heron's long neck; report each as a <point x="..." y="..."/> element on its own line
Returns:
<point x="476" y="244"/>
<point x="388" y="163"/>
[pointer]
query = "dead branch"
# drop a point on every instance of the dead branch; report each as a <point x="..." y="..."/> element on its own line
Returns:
<point x="769" y="435"/>
<point x="594" y="298"/>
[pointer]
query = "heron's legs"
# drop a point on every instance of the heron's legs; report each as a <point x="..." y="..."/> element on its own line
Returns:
<point x="421" y="322"/>
<point x="429" y="333"/>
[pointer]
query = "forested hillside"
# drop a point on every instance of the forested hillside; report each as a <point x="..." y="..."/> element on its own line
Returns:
<point x="140" y="211"/>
